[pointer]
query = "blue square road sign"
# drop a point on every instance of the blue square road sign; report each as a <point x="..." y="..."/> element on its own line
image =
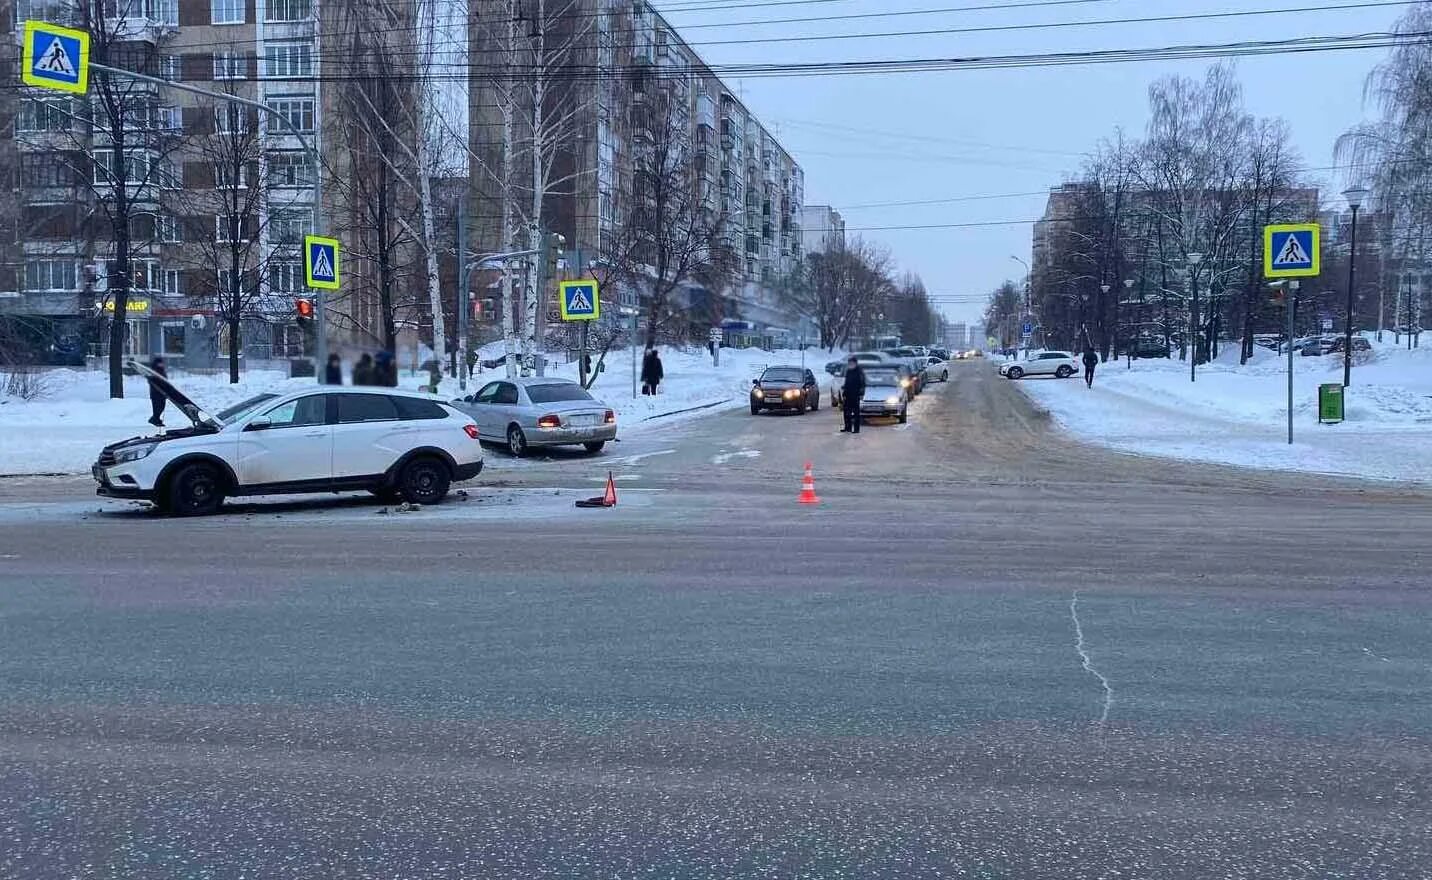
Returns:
<point x="55" y="57"/>
<point x="579" y="300"/>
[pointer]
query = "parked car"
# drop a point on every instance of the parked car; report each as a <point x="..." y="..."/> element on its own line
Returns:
<point x="1315" y="347"/>
<point x="1358" y="344"/>
<point x="1267" y="340"/>
<point x="885" y="395"/>
<point x="527" y="412"/>
<point x="937" y="369"/>
<point x="395" y="444"/>
<point x="1061" y="364"/>
<point x="789" y="388"/>
<point x="913" y="359"/>
<point x="941" y="353"/>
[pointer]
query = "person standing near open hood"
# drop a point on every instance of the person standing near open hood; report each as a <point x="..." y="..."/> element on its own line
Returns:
<point x="156" y="397"/>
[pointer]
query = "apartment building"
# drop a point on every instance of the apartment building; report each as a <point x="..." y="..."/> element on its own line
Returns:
<point x="749" y="186"/>
<point x="204" y="176"/>
<point x="823" y="229"/>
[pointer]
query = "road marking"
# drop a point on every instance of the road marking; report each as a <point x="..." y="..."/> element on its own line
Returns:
<point x="726" y="457"/>
<point x="1086" y="662"/>
<point x="633" y="459"/>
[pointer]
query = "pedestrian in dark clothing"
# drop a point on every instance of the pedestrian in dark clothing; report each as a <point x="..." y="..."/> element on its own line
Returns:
<point x="1091" y="360"/>
<point x="333" y="373"/>
<point x="850" y="395"/>
<point x="363" y="370"/>
<point x="156" y="397"/>
<point x="651" y="372"/>
<point x="385" y="370"/>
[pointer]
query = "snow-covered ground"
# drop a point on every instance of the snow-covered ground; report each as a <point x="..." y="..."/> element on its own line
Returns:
<point x="1238" y="414"/>
<point x="63" y="431"/>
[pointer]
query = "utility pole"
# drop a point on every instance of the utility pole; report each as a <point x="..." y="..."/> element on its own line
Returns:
<point x="1193" y="260"/>
<point x="463" y="306"/>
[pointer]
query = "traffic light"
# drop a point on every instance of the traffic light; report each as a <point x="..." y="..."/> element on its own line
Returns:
<point x="303" y="314"/>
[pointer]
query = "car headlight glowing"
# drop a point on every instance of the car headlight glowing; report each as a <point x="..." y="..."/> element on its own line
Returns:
<point x="904" y="383"/>
<point x="893" y="401"/>
<point x="756" y="392"/>
<point x="791" y="394"/>
<point x="134" y="453"/>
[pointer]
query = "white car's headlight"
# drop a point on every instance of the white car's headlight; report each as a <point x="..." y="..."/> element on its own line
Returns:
<point x="134" y="453"/>
<point x="756" y="392"/>
<point x="893" y="401"/>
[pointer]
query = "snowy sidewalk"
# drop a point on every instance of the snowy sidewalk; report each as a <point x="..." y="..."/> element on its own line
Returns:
<point x="1237" y="415"/>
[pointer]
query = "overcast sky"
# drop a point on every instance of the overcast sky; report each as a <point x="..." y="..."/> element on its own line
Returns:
<point x="865" y="140"/>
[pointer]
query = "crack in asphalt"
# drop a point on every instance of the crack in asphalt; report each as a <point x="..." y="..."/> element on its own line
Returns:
<point x="1086" y="662"/>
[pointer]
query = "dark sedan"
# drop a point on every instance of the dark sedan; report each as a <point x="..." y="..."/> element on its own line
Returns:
<point x="792" y="388"/>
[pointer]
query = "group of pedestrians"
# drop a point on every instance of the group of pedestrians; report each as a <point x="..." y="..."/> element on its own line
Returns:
<point x="380" y="370"/>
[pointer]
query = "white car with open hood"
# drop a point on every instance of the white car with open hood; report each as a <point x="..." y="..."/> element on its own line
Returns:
<point x="323" y="438"/>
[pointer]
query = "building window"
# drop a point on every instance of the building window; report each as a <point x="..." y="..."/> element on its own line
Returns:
<point x="166" y="228"/>
<point x="172" y="337"/>
<point x="231" y="119"/>
<point x="48" y="114"/>
<point x="288" y="60"/>
<point x="171" y="282"/>
<point x="50" y="275"/>
<point x="229" y="176"/>
<point x="169" y="67"/>
<point x="286" y="227"/>
<point x="289" y="10"/>
<point x="289" y="169"/>
<point x="286" y="277"/>
<point x="145" y="275"/>
<point x="226" y="11"/>
<point x="230" y="65"/>
<point x="139" y="168"/>
<point x="289" y="341"/>
<point x="298" y="112"/>
<point x="230" y="229"/>
<point x="44" y="170"/>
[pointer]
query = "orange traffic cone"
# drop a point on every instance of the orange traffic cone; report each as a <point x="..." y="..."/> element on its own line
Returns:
<point x="609" y="499"/>
<point x="808" y="487"/>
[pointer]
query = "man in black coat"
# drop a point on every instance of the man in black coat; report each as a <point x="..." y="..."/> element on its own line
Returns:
<point x="1091" y="360"/>
<point x="156" y="397"/>
<point x="851" y="393"/>
<point x="651" y="372"/>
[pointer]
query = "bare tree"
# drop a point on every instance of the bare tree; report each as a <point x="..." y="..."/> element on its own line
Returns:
<point x="125" y="137"/>
<point x="669" y="237"/>
<point x="245" y="233"/>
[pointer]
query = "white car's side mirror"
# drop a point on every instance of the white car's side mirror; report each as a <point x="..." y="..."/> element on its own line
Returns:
<point x="262" y="423"/>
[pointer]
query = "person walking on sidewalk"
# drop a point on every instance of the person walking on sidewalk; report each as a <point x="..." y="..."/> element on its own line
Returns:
<point x="651" y="371"/>
<point x="850" y="395"/>
<point x="1091" y="360"/>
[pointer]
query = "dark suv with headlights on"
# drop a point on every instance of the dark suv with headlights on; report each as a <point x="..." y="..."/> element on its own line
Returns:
<point x="791" y="388"/>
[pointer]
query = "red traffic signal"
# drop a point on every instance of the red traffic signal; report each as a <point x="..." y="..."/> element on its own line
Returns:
<point x="304" y="307"/>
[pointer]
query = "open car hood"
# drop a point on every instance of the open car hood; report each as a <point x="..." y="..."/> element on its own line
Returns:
<point x="199" y="417"/>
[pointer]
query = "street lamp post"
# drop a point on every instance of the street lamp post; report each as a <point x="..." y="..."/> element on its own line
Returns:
<point x="1028" y="305"/>
<point x="1193" y="260"/>
<point x="1103" y="309"/>
<point x="1128" y="348"/>
<point x="1354" y="198"/>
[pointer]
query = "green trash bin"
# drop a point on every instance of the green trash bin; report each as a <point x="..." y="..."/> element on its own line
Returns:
<point x="1330" y="403"/>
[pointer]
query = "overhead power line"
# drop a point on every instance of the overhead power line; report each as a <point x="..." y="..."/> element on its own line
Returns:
<point x="1033" y="26"/>
<point x="1296" y="45"/>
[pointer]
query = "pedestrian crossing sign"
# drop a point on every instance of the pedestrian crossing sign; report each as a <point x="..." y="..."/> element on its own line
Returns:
<point x="320" y="262"/>
<point x="579" y="300"/>
<point x="55" y="57"/>
<point x="1292" y="250"/>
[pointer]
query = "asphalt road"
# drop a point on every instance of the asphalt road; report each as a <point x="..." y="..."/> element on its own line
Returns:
<point x="989" y="652"/>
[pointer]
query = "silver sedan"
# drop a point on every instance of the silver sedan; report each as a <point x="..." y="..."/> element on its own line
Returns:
<point x="528" y="412"/>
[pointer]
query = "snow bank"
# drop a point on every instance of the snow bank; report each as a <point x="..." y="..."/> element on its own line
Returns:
<point x="63" y="432"/>
<point x="1238" y="414"/>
